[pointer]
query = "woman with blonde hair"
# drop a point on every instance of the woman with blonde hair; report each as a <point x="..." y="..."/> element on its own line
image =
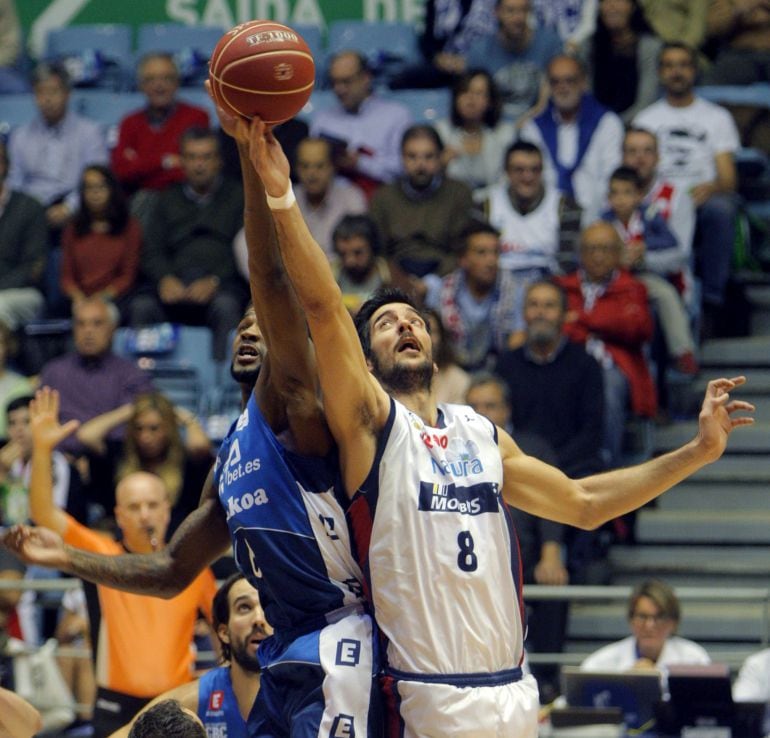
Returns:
<point x="155" y="442"/>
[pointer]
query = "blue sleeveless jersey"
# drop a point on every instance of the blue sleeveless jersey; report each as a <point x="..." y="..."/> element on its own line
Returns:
<point x="290" y="537"/>
<point x="218" y="707"/>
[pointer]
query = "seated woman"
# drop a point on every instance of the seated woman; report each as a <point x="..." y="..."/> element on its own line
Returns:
<point x="475" y="140"/>
<point x="100" y="247"/>
<point x="653" y="615"/>
<point x="153" y="443"/>
<point x="622" y="57"/>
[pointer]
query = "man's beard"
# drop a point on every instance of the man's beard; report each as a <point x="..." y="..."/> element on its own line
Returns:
<point x="402" y="379"/>
<point x="247" y="377"/>
<point x="541" y="334"/>
<point x="244" y="659"/>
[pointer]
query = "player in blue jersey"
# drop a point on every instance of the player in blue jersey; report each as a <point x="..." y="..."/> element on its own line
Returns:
<point x="273" y="498"/>
<point x="222" y="697"/>
<point x="430" y="487"/>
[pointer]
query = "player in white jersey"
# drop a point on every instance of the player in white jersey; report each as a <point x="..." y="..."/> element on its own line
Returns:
<point x="453" y="671"/>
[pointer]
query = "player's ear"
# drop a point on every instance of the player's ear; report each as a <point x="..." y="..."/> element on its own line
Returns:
<point x="223" y="633"/>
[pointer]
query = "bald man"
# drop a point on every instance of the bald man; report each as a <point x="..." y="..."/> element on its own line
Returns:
<point x="608" y="312"/>
<point x="136" y="660"/>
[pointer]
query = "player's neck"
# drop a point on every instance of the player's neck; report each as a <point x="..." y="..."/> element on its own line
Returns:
<point x="245" y="687"/>
<point x="421" y="402"/>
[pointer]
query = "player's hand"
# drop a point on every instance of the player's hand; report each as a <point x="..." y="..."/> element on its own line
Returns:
<point x="268" y="158"/>
<point x="36" y="545"/>
<point x="717" y="417"/>
<point x="233" y="125"/>
<point x="47" y="431"/>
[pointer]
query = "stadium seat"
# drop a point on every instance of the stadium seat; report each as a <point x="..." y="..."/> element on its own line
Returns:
<point x="319" y="100"/>
<point x="107" y="107"/>
<point x="177" y="356"/>
<point x="16" y="109"/>
<point x="95" y="54"/>
<point x="388" y="46"/>
<point x="313" y="36"/>
<point x="756" y="94"/>
<point x="191" y="46"/>
<point x="426" y="106"/>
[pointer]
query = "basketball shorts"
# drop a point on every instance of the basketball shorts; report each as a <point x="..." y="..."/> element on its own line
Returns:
<point x="319" y="683"/>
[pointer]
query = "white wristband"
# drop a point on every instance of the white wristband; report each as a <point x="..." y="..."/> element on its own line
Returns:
<point x="284" y="202"/>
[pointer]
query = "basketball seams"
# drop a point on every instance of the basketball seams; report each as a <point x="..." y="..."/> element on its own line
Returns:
<point x="231" y="52"/>
<point x="248" y="28"/>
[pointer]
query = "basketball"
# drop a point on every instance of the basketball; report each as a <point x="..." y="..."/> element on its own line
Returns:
<point x="262" y="68"/>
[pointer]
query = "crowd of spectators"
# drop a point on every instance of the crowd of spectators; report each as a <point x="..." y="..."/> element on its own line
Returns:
<point x="579" y="198"/>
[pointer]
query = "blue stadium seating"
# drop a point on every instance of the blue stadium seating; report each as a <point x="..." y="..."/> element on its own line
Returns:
<point x="427" y="106"/>
<point x="95" y="54"/>
<point x="16" y="109"/>
<point x="388" y="46"/>
<point x="191" y="46"/>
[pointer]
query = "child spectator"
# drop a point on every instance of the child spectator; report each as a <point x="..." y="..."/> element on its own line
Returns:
<point x="645" y="237"/>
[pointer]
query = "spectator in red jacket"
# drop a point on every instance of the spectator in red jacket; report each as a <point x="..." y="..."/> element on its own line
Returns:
<point x="608" y="312"/>
<point x="146" y="156"/>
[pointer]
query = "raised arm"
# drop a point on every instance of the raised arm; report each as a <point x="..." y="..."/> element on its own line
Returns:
<point x="291" y="370"/>
<point x="47" y="433"/>
<point x="199" y="541"/>
<point x="93" y="432"/>
<point x="543" y="490"/>
<point x="356" y="406"/>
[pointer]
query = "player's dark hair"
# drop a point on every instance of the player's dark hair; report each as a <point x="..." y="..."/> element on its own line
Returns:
<point x="220" y="610"/>
<point x="166" y="719"/>
<point x="627" y="174"/>
<point x="380" y="297"/>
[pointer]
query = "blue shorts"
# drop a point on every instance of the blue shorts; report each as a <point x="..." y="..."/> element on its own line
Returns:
<point x="321" y="683"/>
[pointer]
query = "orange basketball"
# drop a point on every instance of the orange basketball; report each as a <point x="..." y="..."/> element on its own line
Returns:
<point x="262" y="68"/>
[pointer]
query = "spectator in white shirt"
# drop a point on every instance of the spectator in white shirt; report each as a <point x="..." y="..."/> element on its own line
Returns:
<point x="698" y="141"/>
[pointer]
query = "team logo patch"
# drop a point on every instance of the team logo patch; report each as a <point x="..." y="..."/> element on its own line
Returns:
<point x="216" y="700"/>
<point x="473" y="500"/>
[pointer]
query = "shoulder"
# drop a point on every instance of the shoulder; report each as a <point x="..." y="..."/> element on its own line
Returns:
<point x="652" y="114"/>
<point x="134" y="118"/>
<point x="390" y="108"/>
<point x="187" y="110"/>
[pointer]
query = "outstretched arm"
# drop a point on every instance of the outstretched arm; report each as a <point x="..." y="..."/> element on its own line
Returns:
<point x="543" y="490"/>
<point x="356" y="406"/>
<point x="291" y="367"/>
<point x="199" y="541"/>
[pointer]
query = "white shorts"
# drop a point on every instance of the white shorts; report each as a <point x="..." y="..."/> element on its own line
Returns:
<point x="439" y="710"/>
